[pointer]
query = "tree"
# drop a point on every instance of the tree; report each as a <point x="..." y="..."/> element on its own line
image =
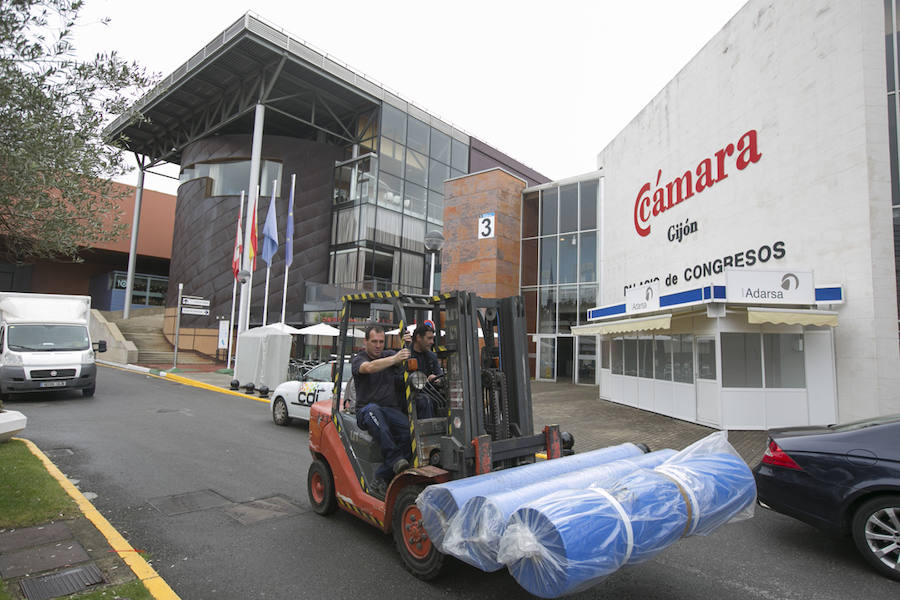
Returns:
<point x="56" y="194"/>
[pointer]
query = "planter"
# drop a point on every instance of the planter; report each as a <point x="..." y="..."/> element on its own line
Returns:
<point x="11" y="423"/>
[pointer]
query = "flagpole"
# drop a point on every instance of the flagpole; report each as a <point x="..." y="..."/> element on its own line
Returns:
<point x="234" y="286"/>
<point x="252" y="266"/>
<point x="288" y="245"/>
<point x="265" y="320"/>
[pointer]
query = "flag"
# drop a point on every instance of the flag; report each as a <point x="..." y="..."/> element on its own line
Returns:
<point x="253" y="236"/>
<point x="238" y="250"/>
<point x="289" y="232"/>
<point x="270" y="234"/>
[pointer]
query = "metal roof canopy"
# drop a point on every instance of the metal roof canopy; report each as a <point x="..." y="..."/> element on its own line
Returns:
<point x="305" y="93"/>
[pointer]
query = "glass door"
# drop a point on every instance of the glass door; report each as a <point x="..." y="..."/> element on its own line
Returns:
<point x="587" y="359"/>
<point x="706" y="381"/>
<point x="546" y="367"/>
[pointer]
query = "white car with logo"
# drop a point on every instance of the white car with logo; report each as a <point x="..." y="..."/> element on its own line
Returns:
<point x="292" y="399"/>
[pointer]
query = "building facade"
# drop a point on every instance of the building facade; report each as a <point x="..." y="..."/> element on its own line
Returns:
<point x="746" y="254"/>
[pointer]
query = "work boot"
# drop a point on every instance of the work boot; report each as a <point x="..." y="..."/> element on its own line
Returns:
<point x="400" y="466"/>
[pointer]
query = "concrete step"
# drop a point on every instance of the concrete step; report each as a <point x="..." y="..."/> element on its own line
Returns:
<point x="184" y="357"/>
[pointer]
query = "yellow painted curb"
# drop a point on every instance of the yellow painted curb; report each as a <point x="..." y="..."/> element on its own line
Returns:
<point x="193" y="383"/>
<point x="157" y="587"/>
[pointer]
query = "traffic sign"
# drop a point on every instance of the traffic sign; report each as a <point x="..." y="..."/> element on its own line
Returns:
<point x="187" y="310"/>
<point x="194" y="301"/>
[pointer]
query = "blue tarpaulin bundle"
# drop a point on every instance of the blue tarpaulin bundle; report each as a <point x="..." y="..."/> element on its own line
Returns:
<point x="572" y="539"/>
<point x="474" y="533"/>
<point x="440" y="503"/>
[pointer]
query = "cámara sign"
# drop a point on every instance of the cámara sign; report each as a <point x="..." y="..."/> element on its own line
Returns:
<point x="669" y="195"/>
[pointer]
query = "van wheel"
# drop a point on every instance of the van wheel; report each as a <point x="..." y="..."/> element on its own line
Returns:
<point x="88" y="392"/>
<point x="420" y="556"/>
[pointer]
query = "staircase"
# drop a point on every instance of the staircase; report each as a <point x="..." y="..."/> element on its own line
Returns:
<point x="145" y="330"/>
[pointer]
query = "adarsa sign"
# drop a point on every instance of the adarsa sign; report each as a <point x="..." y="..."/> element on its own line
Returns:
<point x="667" y="196"/>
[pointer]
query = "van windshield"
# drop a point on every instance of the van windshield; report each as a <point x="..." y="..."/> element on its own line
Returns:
<point x="47" y="338"/>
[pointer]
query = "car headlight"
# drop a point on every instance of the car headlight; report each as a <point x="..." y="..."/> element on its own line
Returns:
<point x="87" y="356"/>
<point x="11" y="359"/>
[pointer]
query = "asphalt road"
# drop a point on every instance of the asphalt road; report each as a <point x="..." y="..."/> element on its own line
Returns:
<point x="141" y="440"/>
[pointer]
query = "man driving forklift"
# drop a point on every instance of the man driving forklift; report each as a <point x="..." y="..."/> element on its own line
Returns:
<point x="379" y="404"/>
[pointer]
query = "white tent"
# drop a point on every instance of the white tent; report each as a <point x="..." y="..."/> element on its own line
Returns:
<point x="263" y="354"/>
<point x="320" y="329"/>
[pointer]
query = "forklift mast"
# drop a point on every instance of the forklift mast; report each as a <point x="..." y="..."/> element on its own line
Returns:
<point x="483" y="408"/>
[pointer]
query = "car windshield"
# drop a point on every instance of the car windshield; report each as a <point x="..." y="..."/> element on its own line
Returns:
<point x="323" y="373"/>
<point x="862" y="424"/>
<point x="47" y="338"/>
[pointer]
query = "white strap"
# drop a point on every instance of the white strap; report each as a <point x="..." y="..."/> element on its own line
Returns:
<point x="675" y="474"/>
<point x="629" y="532"/>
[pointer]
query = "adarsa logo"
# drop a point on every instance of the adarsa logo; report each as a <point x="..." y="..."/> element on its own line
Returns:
<point x="668" y="195"/>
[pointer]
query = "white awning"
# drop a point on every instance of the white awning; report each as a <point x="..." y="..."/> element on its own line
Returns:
<point x="625" y="325"/>
<point x="792" y="316"/>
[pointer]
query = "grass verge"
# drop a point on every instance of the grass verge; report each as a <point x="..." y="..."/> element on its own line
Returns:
<point x="28" y="494"/>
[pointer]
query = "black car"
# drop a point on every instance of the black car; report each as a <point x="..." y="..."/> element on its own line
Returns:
<point x="844" y="479"/>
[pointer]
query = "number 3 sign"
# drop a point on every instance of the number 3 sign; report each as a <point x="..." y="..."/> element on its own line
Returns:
<point x="486" y="226"/>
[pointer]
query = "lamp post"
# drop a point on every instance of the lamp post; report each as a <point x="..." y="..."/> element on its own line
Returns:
<point x="434" y="241"/>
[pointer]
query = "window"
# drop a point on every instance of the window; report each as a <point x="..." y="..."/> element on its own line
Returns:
<point x="437" y="174"/>
<point x="548" y="211"/>
<point x="662" y="357"/>
<point x="435" y="207"/>
<point x="414" y="200"/>
<point x="568" y="308"/>
<point x="413" y="234"/>
<point x="416" y="167"/>
<point x="391" y="158"/>
<point x="741" y="360"/>
<point x="459" y="158"/>
<point x="440" y="146"/>
<point x="390" y="191"/>
<point x="587" y="299"/>
<point x="547" y="311"/>
<point x="617" y="361"/>
<point x="417" y="135"/>
<point x="548" y="260"/>
<point x="645" y="358"/>
<point x="587" y="358"/>
<point x="529" y="262"/>
<point x="683" y="358"/>
<point x="784" y="360"/>
<point x="568" y="208"/>
<point x="393" y="123"/>
<point x="706" y="358"/>
<point x="530" y="203"/>
<point x="587" y="263"/>
<point x="589" y="204"/>
<point x="387" y="227"/>
<point x="631" y="357"/>
<point x="568" y="258"/>
<point x="604" y="354"/>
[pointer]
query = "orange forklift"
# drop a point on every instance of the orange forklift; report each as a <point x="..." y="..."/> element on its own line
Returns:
<point x="484" y="403"/>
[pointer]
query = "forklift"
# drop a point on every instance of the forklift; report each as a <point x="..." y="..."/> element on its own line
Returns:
<point x="483" y="404"/>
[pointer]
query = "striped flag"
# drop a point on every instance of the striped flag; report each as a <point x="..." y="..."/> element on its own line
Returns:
<point x="238" y="250"/>
<point x="253" y="235"/>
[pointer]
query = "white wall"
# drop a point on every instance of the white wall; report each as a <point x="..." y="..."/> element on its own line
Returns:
<point x="809" y="79"/>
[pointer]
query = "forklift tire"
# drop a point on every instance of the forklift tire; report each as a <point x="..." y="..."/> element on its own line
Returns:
<point x="320" y="485"/>
<point x="420" y="556"/>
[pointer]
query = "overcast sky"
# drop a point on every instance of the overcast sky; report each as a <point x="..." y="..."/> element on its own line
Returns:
<point x="548" y="83"/>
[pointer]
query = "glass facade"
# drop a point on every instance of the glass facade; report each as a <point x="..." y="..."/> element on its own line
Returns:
<point x="559" y="267"/>
<point x="386" y="201"/>
<point x="230" y="178"/>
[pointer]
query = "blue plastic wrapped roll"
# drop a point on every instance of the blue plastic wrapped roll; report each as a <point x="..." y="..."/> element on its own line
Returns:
<point x="439" y="503"/>
<point x="474" y="533"/>
<point x="572" y="539"/>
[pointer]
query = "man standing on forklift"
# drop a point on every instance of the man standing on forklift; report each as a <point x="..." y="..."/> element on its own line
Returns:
<point x="428" y="364"/>
<point x="379" y="404"/>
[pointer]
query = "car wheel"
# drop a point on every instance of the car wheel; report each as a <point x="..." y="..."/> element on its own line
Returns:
<point x="876" y="531"/>
<point x="88" y="392"/>
<point x="280" y="412"/>
<point x="320" y="486"/>
<point x="420" y="556"/>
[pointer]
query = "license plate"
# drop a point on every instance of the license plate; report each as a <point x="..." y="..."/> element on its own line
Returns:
<point x="53" y="383"/>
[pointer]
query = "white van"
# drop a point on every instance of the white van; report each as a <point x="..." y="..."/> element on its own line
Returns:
<point x="45" y="344"/>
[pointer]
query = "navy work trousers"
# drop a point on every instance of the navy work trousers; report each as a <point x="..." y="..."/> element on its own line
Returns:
<point x="390" y="428"/>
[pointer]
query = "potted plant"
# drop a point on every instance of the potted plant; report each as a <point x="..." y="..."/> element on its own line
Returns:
<point x="11" y="422"/>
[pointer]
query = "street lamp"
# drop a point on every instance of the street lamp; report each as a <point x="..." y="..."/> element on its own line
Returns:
<point x="434" y="241"/>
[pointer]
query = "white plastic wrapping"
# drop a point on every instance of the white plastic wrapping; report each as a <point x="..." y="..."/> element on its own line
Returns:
<point x="572" y="539"/>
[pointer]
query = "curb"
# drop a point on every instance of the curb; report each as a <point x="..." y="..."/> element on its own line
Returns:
<point x="155" y="584"/>
<point x="179" y="379"/>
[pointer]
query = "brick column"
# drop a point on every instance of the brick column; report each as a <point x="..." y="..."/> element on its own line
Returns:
<point x="489" y="267"/>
